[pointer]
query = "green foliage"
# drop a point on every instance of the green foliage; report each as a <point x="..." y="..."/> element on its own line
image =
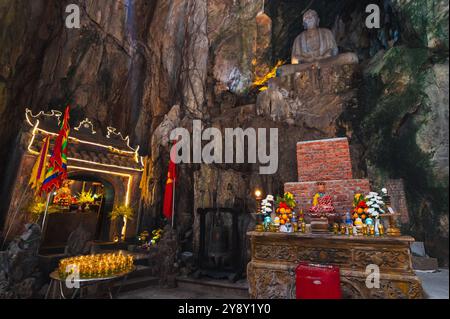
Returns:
<point x="394" y="106"/>
<point x="288" y="199"/>
<point x="122" y="211"/>
<point x="428" y="19"/>
<point x="37" y="207"/>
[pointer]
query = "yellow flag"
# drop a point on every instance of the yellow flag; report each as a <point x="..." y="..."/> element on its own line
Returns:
<point x="145" y="181"/>
<point x="40" y="167"/>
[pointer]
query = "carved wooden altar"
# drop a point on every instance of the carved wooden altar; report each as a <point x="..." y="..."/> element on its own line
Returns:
<point x="271" y="271"/>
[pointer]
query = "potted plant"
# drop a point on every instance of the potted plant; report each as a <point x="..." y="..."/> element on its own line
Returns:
<point x="120" y="214"/>
<point x="37" y="209"/>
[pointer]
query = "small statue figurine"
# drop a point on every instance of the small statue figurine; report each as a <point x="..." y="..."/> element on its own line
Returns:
<point x="301" y="216"/>
<point x="369" y="221"/>
<point x="393" y="229"/>
<point x="259" y="228"/>
<point x="358" y="224"/>
<point x="336" y="228"/>
<point x="294" y="222"/>
<point x="343" y="229"/>
<point x="381" y="229"/>
<point x="315" y="47"/>
<point x="289" y="228"/>
<point x="364" y="230"/>
<point x="349" y="230"/>
<point x="303" y="227"/>
<point x="267" y="222"/>
<point x="322" y="204"/>
<point x="276" y="223"/>
<point x="322" y="209"/>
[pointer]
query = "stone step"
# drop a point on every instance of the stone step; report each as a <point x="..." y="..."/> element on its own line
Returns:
<point x="418" y="249"/>
<point x="97" y="246"/>
<point x="135" y="283"/>
<point x="140" y="278"/>
<point x="239" y="289"/>
<point x="424" y="263"/>
<point x="141" y="271"/>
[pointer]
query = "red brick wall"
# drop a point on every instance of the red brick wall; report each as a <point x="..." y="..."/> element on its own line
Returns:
<point x="342" y="192"/>
<point x="324" y="160"/>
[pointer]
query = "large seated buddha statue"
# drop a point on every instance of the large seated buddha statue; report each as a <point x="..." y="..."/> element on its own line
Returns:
<point x="315" y="47"/>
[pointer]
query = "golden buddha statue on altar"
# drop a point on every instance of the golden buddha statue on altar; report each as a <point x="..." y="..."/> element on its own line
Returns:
<point x="322" y="210"/>
<point x="322" y="204"/>
<point x="315" y="48"/>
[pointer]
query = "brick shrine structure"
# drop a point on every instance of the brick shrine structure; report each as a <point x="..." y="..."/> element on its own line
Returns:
<point x="326" y="161"/>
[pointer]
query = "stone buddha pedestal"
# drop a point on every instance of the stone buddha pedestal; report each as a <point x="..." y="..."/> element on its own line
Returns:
<point x="315" y="48"/>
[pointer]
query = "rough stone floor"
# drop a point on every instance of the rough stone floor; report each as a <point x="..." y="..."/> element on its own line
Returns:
<point x="176" y="293"/>
<point x="436" y="286"/>
<point x="192" y="290"/>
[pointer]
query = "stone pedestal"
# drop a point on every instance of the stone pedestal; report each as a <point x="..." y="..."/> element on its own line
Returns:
<point x="311" y="98"/>
<point x="271" y="272"/>
<point x="319" y="225"/>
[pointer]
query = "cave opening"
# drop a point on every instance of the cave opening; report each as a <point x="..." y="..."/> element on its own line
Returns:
<point x="85" y="200"/>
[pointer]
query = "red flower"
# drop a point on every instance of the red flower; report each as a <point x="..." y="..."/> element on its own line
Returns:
<point x="362" y="204"/>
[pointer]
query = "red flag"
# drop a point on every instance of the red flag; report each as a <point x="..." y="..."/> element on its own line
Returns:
<point x="170" y="188"/>
<point x="57" y="171"/>
<point x="59" y="156"/>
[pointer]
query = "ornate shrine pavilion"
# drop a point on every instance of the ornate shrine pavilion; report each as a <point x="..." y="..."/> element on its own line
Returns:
<point x="108" y="160"/>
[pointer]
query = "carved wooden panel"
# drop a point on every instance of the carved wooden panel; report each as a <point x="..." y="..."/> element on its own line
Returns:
<point x="271" y="282"/>
<point x="271" y="273"/>
<point x="386" y="259"/>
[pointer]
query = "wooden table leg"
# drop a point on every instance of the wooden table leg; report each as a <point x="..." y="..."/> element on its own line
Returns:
<point x="49" y="288"/>
<point x="121" y="284"/>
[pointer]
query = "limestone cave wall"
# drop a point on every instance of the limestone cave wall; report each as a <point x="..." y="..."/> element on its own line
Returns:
<point x="403" y="119"/>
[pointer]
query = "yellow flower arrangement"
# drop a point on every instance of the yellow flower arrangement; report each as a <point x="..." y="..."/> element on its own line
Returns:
<point x="122" y="211"/>
<point x="86" y="197"/>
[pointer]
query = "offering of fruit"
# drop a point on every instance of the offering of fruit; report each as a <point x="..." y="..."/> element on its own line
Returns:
<point x="286" y="205"/>
<point x="360" y="207"/>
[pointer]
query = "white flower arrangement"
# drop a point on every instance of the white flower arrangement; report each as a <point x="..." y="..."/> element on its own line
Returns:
<point x="266" y="205"/>
<point x="374" y="201"/>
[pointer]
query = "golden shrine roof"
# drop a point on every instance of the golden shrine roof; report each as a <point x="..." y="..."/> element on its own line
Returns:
<point x="86" y="145"/>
